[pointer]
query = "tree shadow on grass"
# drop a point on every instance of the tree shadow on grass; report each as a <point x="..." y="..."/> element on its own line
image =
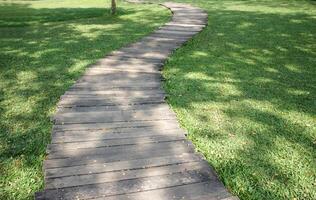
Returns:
<point x="245" y="90"/>
<point x="26" y="16"/>
<point x="39" y="60"/>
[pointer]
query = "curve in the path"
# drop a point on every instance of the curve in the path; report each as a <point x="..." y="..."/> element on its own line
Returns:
<point x="115" y="138"/>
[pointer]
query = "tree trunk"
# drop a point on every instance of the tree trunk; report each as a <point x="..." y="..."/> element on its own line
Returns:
<point x="113" y="7"/>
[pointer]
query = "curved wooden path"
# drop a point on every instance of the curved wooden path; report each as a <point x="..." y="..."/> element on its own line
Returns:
<point x="114" y="136"/>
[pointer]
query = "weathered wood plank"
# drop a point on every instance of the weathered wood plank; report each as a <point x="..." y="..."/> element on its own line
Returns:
<point x="114" y="96"/>
<point x="154" y="151"/>
<point x="123" y="76"/>
<point x="122" y="165"/>
<point x="151" y="61"/>
<point x="174" y="36"/>
<point x="77" y="102"/>
<point x="118" y="150"/>
<point x="130" y="186"/>
<point x="123" y="133"/>
<point x="101" y="70"/>
<point x="153" y="55"/>
<point x="177" y="33"/>
<point x="55" y="147"/>
<point x="119" y="84"/>
<point x="195" y="191"/>
<point x="104" y="68"/>
<point x="111" y="116"/>
<point x="191" y="14"/>
<point x="93" y="178"/>
<point x="165" y="39"/>
<point x="116" y="93"/>
<point x="181" y="28"/>
<point x="111" y="108"/>
<point x="174" y="23"/>
<point x="115" y="125"/>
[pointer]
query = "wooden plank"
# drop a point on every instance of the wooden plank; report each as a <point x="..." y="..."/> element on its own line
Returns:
<point x="111" y="116"/>
<point x="115" y="125"/>
<point x="154" y="55"/>
<point x="122" y="88"/>
<point x="113" y="87"/>
<point x="189" y="21"/>
<point x="116" y="132"/>
<point x="194" y="20"/>
<point x="165" y="39"/>
<point x="99" y="136"/>
<point x="99" y="131"/>
<point x="149" y="152"/>
<point x="110" y="108"/>
<point x="93" y="178"/>
<point x="147" y="43"/>
<point x="146" y="50"/>
<point x="129" y="186"/>
<point x="174" y="23"/>
<point x="104" y="134"/>
<point x="177" y="33"/>
<point x="122" y="165"/>
<point x="114" y="96"/>
<point x="181" y="28"/>
<point x="119" y="84"/>
<point x="110" y="97"/>
<point x="186" y="10"/>
<point x="153" y="61"/>
<point x="145" y="46"/>
<point x="191" y="14"/>
<point x="104" y="70"/>
<point x="123" y="76"/>
<point x="118" y="150"/>
<point x="56" y="147"/>
<point x="77" y="102"/>
<point x="210" y="190"/>
<point x="116" y="93"/>
<point x="174" y="36"/>
<point x="114" y="62"/>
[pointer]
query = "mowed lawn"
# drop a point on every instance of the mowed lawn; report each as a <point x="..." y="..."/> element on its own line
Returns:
<point x="44" y="46"/>
<point x="245" y="89"/>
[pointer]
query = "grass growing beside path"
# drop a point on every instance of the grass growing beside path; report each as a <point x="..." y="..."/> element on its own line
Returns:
<point x="44" y="47"/>
<point x="245" y="89"/>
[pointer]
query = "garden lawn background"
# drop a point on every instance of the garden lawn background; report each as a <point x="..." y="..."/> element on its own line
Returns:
<point x="44" y="47"/>
<point x="245" y="89"/>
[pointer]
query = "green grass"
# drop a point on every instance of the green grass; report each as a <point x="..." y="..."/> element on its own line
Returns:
<point x="44" y="47"/>
<point x="245" y="89"/>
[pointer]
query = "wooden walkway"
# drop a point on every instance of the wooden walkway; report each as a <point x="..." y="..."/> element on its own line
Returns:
<point x="114" y="136"/>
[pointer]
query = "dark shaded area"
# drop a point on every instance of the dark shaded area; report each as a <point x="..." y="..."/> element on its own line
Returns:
<point x="25" y="16"/>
